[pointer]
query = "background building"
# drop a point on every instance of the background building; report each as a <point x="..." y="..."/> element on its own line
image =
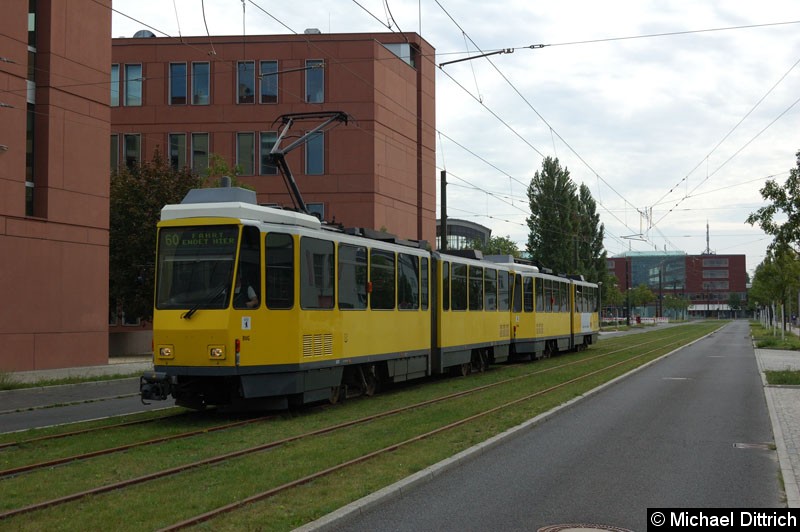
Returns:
<point x="462" y="233"/>
<point x="54" y="183"/>
<point x="707" y="282"/>
<point x="196" y="96"/>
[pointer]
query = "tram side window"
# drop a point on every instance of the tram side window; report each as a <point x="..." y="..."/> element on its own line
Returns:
<point x="381" y="275"/>
<point x="408" y="282"/>
<point x="279" y="251"/>
<point x="475" y="288"/>
<point x="316" y="273"/>
<point x="518" y="293"/>
<point x="458" y="287"/>
<point x="445" y="286"/>
<point x="556" y="296"/>
<point x="248" y="282"/>
<point x="578" y="299"/>
<point x="562" y="290"/>
<point x="423" y="283"/>
<point x="549" y="299"/>
<point x="502" y="290"/>
<point x="528" y="294"/>
<point x="540" y="295"/>
<point x="352" y="277"/>
<point x="490" y="289"/>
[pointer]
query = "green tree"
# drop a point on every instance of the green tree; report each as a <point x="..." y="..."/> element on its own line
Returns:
<point x="641" y="296"/>
<point x="565" y="230"/>
<point x="497" y="245"/>
<point x="735" y="303"/>
<point x="552" y="223"/>
<point x="777" y="279"/>
<point x="219" y="167"/>
<point x="785" y="203"/>
<point x="676" y="305"/>
<point x="592" y="257"/>
<point x="612" y="297"/>
<point x="137" y="196"/>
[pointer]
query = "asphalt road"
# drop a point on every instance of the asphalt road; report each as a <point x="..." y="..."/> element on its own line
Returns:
<point x="686" y="432"/>
<point x="55" y="405"/>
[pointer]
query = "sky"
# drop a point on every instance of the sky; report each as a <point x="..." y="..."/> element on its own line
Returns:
<point x="673" y="112"/>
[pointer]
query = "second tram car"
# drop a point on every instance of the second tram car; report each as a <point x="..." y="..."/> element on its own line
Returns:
<point x="260" y="306"/>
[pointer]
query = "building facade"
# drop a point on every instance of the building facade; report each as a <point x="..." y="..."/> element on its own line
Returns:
<point x="462" y="234"/>
<point x="193" y="97"/>
<point x="54" y="183"/>
<point x="707" y="282"/>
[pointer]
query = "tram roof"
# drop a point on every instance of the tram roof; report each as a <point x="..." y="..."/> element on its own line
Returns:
<point x="240" y="210"/>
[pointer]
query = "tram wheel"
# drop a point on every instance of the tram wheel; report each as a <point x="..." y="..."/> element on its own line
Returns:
<point x="337" y="394"/>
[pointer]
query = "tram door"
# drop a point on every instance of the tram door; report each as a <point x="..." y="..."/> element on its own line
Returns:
<point x="516" y="307"/>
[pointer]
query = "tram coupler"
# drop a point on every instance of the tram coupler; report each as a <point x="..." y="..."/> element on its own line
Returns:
<point x="155" y="386"/>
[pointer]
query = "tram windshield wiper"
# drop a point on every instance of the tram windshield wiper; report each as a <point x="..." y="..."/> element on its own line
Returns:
<point x="189" y="313"/>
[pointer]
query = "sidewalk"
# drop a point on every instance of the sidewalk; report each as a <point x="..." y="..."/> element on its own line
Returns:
<point x="127" y="366"/>
<point x="784" y="412"/>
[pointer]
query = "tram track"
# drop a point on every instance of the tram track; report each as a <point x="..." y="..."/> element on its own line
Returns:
<point x="120" y="448"/>
<point x="101" y="428"/>
<point x="338" y="427"/>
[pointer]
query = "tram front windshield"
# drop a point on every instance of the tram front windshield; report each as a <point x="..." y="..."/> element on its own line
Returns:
<point x="195" y="266"/>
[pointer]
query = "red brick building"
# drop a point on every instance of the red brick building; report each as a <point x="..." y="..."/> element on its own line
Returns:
<point x="707" y="281"/>
<point x="197" y="96"/>
<point x="54" y="183"/>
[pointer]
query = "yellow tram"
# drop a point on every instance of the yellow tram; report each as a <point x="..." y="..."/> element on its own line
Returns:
<point x="265" y="307"/>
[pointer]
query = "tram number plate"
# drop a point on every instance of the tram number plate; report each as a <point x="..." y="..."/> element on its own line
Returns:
<point x="245" y="323"/>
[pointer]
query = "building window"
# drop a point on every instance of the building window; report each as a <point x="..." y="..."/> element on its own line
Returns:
<point x="715" y="274"/>
<point x="28" y="198"/>
<point x="315" y="154"/>
<point x="32" y="23"/>
<point x="315" y="81"/>
<point x="316" y="209"/>
<point x="269" y="82"/>
<point x="268" y="139"/>
<point x="177" y="150"/>
<point x="201" y="83"/>
<point x="114" y="85"/>
<point x="246" y="82"/>
<point x="245" y="152"/>
<point x="715" y="263"/>
<point x="133" y="85"/>
<point x="177" y="83"/>
<point x="133" y="150"/>
<point x="200" y="152"/>
<point x="114" y="153"/>
<point x="30" y="121"/>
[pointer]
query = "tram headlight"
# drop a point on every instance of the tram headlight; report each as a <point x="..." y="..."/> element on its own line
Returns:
<point x="216" y="352"/>
<point x="165" y="351"/>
